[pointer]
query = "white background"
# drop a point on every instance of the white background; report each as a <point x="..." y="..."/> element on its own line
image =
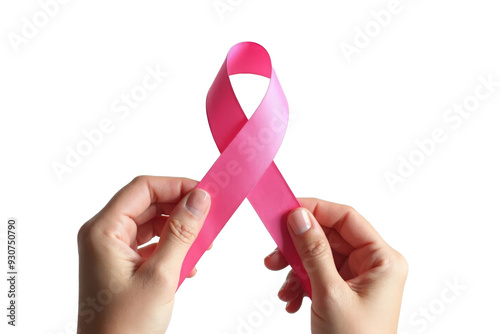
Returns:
<point x="350" y="121"/>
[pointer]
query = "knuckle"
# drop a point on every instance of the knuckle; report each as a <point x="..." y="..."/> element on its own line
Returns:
<point x="395" y="263"/>
<point x="82" y="232"/>
<point x="182" y="232"/>
<point x="139" y="179"/>
<point x="400" y="264"/>
<point x="314" y="250"/>
<point x="85" y="234"/>
<point x="350" y="211"/>
<point x="87" y="237"/>
<point x="315" y="199"/>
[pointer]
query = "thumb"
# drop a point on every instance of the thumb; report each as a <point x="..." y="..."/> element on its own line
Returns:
<point x="315" y="252"/>
<point x="180" y="231"/>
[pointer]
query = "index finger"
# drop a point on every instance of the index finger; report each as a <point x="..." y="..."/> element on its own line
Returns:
<point x="351" y="226"/>
<point x="133" y="199"/>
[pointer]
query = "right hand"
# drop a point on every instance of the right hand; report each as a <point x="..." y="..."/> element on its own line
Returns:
<point x="357" y="279"/>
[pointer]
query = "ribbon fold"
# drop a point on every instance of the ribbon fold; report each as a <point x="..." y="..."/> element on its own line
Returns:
<point x="245" y="168"/>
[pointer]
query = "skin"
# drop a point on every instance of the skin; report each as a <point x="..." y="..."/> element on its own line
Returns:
<point x="141" y="282"/>
<point x="357" y="279"/>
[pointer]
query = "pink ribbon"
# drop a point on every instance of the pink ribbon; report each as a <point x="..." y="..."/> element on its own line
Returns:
<point x="245" y="168"/>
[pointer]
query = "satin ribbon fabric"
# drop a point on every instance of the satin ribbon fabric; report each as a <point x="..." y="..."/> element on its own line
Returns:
<point x="245" y="168"/>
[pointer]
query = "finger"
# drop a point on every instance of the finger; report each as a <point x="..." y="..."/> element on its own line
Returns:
<point x="192" y="273"/>
<point x="210" y="247"/>
<point x="275" y="261"/>
<point x="314" y="250"/>
<point x="180" y="231"/>
<point x="338" y="244"/>
<point x="295" y="304"/>
<point x="154" y="210"/>
<point x="151" y="229"/>
<point x="339" y="260"/>
<point x="117" y="218"/>
<point x="345" y="270"/>
<point x="353" y="227"/>
<point x="137" y="196"/>
<point x="291" y="288"/>
<point x="146" y="251"/>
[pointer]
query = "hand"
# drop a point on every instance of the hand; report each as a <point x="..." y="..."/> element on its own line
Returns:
<point x="126" y="289"/>
<point x="357" y="279"/>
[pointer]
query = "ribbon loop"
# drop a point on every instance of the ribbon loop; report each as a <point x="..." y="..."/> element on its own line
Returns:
<point x="245" y="168"/>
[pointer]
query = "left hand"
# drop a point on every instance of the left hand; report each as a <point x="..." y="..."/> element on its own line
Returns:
<point x="126" y="289"/>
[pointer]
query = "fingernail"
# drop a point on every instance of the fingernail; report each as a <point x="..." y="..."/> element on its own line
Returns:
<point x="273" y="253"/>
<point x="281" y="290"/>
<point x="299" y="221"/>
<point x="198" y="202"/>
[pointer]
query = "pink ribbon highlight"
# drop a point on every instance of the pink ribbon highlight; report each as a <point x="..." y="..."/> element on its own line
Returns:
<point x="245" y="168"/>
